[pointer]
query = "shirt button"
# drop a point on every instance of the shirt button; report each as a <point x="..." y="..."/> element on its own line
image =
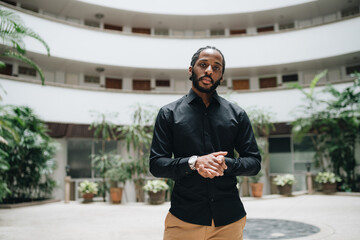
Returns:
<point x="205" y="114"/>
<point x="211" y="199"/>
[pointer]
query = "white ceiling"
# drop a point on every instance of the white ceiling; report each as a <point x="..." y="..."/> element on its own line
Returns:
<point x="81" y="10"/>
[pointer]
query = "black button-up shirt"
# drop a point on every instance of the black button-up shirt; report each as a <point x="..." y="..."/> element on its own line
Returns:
<point x="185" y="128"/>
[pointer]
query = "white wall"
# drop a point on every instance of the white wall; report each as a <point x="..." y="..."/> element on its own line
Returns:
<point x="104" y="48"/>
<point x="70" y="105"/>
<point x="59" y="174"/>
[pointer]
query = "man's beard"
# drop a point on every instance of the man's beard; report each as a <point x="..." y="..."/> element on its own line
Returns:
<point x="196" y="81"/>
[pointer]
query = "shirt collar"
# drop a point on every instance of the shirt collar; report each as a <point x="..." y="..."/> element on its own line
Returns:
<point x="192" y="96"/>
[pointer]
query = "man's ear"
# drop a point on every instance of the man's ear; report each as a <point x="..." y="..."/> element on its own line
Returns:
<point x="190" y="70"/>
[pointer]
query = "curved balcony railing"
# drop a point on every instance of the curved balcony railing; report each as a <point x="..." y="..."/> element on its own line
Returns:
<point x="189" y="7"/>
<point x="87" y="45"/>
<point x="74" y="105"/>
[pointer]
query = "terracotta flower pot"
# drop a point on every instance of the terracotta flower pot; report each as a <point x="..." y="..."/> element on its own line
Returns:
<point x="285" y="190"/>
<point x="116" y="195"/>
<point x="157" y="198"/>
<point x="329" y="188"/>
<point x="88" y="197"/>
<point x="256" y="189"/>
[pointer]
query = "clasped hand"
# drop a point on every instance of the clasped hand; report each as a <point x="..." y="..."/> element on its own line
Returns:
<point x="211" y="165"/>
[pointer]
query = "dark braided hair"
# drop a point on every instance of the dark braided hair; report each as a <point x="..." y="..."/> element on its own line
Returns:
<point x="195" y="57"/>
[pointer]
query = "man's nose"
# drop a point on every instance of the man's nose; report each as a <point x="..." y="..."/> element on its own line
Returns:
<point x="208" y="70"/>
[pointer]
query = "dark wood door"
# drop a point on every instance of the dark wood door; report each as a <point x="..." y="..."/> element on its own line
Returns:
<point x="141" y="30"/>
<point x="143" y="85"/>
<point x="113" y="83"/>
<point x="241" y="84"/>
<point x="268" y="82"/>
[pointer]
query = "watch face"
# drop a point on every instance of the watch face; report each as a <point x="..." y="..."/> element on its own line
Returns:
<point x="192" y="162"/>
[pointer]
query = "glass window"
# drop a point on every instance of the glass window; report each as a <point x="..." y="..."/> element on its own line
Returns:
<point x="163" y="32"/>
<point x="91" y="79"/>
<point x="304" y="151"/>
<point x="280" y="155"/>
<point x="79" y="155"/>
<point x="217" y="32"/>
<point x="290" y="78"/>
<point x="79" y="151"/>
<point x="92" y="23"/>
<point x="286" y="26"/>
<point x="352" y="69"/>
<point x="27" y="71"/>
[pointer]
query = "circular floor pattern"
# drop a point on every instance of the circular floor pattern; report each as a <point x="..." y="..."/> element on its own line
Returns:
<point x="257" y="229"/>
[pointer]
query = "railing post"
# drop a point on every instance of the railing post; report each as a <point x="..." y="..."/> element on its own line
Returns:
<point x="309" y="183"/>
<point x="67" y="189"/>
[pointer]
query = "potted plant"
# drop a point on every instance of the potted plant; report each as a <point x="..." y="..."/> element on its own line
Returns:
<point x="156" y="190"/>
<point x="104" y="131"/>
<point x="328" y="181"/>
<point x="256" y="186"/>
<point x="88" y="190"/>
<point x="119" y="174"/>
<point x="284" y="183"/>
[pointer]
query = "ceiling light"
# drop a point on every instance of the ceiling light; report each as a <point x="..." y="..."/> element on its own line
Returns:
<point x="99" y="15"/>
<point x="100" y="69"/>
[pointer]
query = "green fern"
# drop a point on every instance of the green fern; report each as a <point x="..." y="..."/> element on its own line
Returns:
<point x="12" y="33"/>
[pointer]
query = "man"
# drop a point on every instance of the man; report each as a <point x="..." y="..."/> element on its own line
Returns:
<point x="193" y="144"/>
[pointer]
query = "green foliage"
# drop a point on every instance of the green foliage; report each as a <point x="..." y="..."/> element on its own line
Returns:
<point x="119" y="173"/>
<point x="261" y="121"/>
<point x="138" y="137"/>
<point x="88" y="187"/>
<point x="12" y="33"/>
<point x="335" y="125"/>
<point x="104" y="130"/>
<point x="103" y="161"/>
<point x="327" y="177"/>
<point x="256" y="178"/>
<point x="155" y="186"/>
<point x="28" y="155"/>
<point x="281" y="180"/>
<point x="4" y="167"/>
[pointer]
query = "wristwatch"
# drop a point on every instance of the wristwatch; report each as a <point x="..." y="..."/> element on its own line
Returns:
<point x="192" y="162"/>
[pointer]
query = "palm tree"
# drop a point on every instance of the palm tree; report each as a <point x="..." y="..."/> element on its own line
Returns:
<point x="12" y="33"/>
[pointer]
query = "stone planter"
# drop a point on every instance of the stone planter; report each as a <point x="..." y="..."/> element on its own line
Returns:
<point x="285" y="190"/>
<point x="157" y="198"/>
<point x="328" y="188"/>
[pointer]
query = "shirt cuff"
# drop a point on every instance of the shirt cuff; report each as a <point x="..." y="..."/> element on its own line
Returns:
<point x="230" y="162"/>
<point x="184" y="166"/>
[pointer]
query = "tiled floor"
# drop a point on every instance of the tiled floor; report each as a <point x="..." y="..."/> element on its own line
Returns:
<point x="336" y="218"/>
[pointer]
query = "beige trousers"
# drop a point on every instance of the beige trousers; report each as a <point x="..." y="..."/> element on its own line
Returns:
<point x="176" y="229"/>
